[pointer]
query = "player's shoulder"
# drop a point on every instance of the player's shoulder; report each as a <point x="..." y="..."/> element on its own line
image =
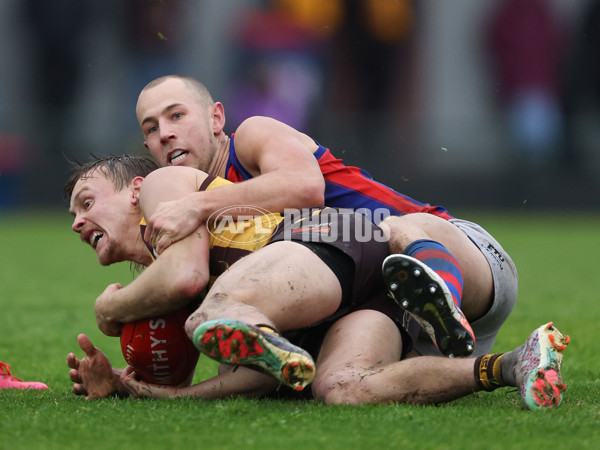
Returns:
<point x="254" y="122"/>
<point x="170" y="175"/>
<point x="258" y="135"/>
<point x="260" y="128"/>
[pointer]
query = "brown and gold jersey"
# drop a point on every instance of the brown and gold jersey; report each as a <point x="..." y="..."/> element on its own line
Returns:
<point x="234" y="232"/>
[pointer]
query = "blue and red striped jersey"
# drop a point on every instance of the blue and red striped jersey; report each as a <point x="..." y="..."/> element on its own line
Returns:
<point x="349" y="187"/>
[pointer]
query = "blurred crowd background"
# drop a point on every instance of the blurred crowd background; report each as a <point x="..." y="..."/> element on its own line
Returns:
<point x="464" y="103"/>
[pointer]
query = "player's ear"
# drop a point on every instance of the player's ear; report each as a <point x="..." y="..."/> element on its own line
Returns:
<point x="135" y="186"/>
<point x="217" y="113"/>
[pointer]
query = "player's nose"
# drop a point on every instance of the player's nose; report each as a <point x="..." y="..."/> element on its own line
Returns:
<point x="78" y="223"/>
<point x="166" y="131"/>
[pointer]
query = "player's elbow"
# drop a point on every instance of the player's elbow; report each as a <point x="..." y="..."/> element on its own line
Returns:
<point x="189" y="283"/>
<point x="313" y="193"/>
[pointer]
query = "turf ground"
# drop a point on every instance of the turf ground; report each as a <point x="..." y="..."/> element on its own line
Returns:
<point x="49" y="281"/>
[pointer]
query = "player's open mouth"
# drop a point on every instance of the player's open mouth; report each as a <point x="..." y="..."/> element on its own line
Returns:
<point x="95" y="238"/>
<point x="177" y="156"/>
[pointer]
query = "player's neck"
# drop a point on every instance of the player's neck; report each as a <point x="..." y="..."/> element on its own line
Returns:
<point x="219" y="162"/>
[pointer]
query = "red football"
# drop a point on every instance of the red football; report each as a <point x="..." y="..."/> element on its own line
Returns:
<point x="158" y="348"/>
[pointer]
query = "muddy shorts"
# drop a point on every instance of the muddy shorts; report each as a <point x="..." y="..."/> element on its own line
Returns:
<point x="354" y="249"/>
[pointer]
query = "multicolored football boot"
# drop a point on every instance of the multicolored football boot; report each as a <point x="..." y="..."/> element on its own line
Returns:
<point x="423" y="293"/>
<point x="234" y="342"/>
<point x="8" y="381"/>
<point x="538" y="368"/>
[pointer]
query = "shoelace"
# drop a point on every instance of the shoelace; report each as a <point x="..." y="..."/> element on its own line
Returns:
<point x="7" y="372"/>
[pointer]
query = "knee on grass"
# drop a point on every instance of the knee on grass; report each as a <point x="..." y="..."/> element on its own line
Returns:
<point x="343" y="388"/>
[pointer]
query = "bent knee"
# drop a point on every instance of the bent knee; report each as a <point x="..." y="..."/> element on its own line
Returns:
<point x="192" y="322"/>
<point x="403" y="230"/>
<point x="343" y="388"/>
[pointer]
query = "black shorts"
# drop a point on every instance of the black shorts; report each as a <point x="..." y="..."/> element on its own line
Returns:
<point x="354" y="248"/>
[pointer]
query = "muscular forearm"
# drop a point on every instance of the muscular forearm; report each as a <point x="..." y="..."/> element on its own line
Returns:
<point x="151" y="294"/>
<point x="177" y="276"/>
<point x="273" y="191"/>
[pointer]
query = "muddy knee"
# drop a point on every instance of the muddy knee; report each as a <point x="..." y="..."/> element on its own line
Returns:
<point x="193" y="321"/>
<point x="340" y="388"/>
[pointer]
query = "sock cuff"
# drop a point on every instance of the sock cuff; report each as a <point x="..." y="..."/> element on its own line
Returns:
<point x="488" y="371"/>
<point x="420" y="244"/>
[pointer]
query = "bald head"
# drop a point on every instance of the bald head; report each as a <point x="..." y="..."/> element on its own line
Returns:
<point x="193" y="86"/>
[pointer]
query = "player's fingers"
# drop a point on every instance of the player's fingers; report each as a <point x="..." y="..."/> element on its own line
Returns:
<point x="75" y="377"/>
<point x="128" y="376"/>
<point x="86" y="345"/>
<point x="163" y="243"/>
<point x="72" y="361"/>
<point x="111" y="328"/>
<point x="129" y="381"/>
<point x="165" y="240"/>
<point x="78" y="389"/>
<point x="128" y="372"/>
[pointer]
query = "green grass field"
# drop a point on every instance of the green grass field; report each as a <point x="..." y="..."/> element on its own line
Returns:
<point x="49" y="281"/>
